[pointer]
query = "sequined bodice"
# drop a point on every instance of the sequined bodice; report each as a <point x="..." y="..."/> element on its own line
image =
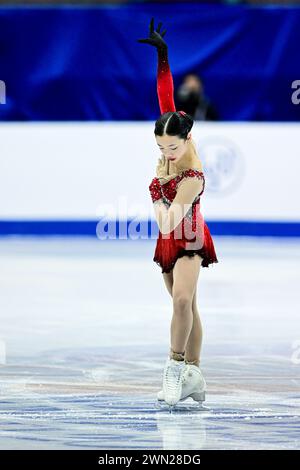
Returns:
<point x="169" y="191"/>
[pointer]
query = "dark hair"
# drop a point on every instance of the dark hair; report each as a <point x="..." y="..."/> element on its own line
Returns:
<point x="176" y="123"/>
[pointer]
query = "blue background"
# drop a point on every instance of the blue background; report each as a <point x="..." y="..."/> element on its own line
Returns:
<point x="78" y="63"/>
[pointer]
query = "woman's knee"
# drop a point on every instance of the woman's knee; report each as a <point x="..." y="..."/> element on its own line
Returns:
<point x="182" y="302"/>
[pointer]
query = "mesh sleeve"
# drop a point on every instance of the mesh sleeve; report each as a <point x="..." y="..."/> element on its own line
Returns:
<point x="165" y="86"/>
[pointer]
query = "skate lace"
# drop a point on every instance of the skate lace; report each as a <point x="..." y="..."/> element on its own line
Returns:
<point x="173" y="374"/>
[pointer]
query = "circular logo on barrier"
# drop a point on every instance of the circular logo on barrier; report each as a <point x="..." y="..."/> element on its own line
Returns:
<point x="223" y="164"/>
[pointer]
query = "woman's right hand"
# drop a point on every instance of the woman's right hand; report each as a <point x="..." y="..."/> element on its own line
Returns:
<point x="155" y="37"/>
<point x="162" y="168"/>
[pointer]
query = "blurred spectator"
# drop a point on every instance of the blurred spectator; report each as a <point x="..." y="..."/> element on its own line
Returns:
<point x="190" y="97"/>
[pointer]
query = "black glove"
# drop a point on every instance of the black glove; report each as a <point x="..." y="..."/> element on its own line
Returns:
<point x="155" y="37"/>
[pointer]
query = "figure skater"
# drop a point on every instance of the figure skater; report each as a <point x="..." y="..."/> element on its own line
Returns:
<point x="184" y="242"/>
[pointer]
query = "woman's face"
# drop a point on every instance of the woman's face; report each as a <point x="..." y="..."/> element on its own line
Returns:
<point x="172" y="147"/>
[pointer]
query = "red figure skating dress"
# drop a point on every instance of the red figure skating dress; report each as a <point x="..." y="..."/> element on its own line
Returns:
<point x="192" y="235"/>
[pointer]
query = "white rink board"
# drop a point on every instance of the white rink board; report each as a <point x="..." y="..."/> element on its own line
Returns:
<point x="72" y="170"/>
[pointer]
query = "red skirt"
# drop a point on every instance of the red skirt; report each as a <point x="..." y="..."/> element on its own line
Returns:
<point x="168" y="250"/>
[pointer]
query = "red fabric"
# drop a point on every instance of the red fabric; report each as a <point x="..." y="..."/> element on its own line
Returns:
<point x="167" y="251"/>
<point x="165" y="86"/>
<point x="170" y="247"/>
<point x="190" y="237"/>
<point x="155" y="190"/>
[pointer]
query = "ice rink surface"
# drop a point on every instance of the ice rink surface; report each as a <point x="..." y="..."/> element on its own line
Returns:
<point x="85" y="335"/>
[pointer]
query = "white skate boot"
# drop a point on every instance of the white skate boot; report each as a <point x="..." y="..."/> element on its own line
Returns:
<point x="172" y="380"/>
<point x="193" y="385"/>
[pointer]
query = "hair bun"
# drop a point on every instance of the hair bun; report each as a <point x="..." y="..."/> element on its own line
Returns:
<point x="177" y="123"/>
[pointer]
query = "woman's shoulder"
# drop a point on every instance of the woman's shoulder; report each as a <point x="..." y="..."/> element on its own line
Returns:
<point x="192" y="176"/>
<point x="191" y="172"/>
<point x="186" y="173"/>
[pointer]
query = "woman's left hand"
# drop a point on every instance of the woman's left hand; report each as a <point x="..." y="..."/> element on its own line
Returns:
<point x="155" y="37"/>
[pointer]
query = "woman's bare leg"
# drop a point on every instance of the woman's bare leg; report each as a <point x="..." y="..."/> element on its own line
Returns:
<point x="168" y="278"/>
<point x="193" y="346"/>
<point x="185" y="277"/>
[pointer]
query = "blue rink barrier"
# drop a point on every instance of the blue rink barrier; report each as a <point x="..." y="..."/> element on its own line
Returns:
<point x="88" y="228"/>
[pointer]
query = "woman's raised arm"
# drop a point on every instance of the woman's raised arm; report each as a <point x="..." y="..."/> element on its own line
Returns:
<point x="165" y="86"/>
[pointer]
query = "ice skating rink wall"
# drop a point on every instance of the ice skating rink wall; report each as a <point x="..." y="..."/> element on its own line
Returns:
<point x="78" y="172"/>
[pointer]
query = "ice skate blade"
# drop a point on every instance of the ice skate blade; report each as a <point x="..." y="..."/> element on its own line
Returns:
<point x="181" y="407"/>
<point x="196" y="396"/>
<point x="161" y="400"/>
<point x="172" y="407"/>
